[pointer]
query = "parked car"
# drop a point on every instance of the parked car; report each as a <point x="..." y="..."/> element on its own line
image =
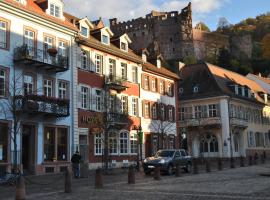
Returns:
<point x="167" y="160"/>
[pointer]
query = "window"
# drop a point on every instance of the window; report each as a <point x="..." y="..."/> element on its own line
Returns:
<point x="29" y="40"/>
<point x="146" y="82"/>
<point x="112" y="65"/>
<point x="84" y="60"/>
<point x="188" y="113"/>
<point x="134" y="74"/>
<point x="213" y="110"/>
<point x="155" y="145"/>
<point x="154" y="85"/>
<point x="48" y="44"/>
<point x="198" y="112"/>
<point x="195" y="89"/>
<point x="170" y="89"/>
<point x="3" y="34"/>
<point x="124" y="71"/>
<point x="98" y="100"/>
<point x="98" y="144"/>
<point x="259" y="138"/>
<point x="123" y="142"/>
<point x="98" y="63"/>
<point x="181" y="90"/>
<point x="84" y="97"/>
<point x="62" y="90"/>
<point x="83" y="144"/>
<point x="62" y="49"/>
<point x="171" y="114"/>
<point x="147" y="109"/>
<point x="161" y="87"/>
<point x="113" y="143"/>
<point x="3" y="82"/>
<point x="49" y="144"/>
<point x="208" y="144"/>
<point x="112" y="103"/>
<point x="154" y="111"/>
<point x="48" y="87"/>
<point x="105" y="39"/>
<point x="182" y="114"/>
<point x="54" y="10"/>
<point x="55" y="149"/>
<point x="62" y="141"/>
<point x="134" y="106"/>
<point x="236" y="141"/>
<point x="84" y="31"/>
<point x="133" y="143"/>
<point x="124" y="104"/>
<point x="28" y="84"/>
<point x="3" y="142"/>
<point x="162" y="112"/>
<point x="124" y="46"/>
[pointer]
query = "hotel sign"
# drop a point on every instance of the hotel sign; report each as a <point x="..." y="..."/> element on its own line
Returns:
<point x="94" y="120"/>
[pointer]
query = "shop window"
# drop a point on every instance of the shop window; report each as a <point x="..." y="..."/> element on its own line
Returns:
<point x="3" y="142"/>
<point x="49" y="144"/>
<point x="62" y="142"/>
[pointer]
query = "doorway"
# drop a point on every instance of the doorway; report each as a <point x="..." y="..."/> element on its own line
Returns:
<point x="28" y="149"/>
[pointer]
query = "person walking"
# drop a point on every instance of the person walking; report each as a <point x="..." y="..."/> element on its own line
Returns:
<point x="75" y="159"/>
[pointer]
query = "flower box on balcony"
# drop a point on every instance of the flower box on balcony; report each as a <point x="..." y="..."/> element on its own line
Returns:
<point x="52" y="52"/>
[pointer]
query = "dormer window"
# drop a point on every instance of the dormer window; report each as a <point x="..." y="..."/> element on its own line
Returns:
<point x="55" y="10"/>
<point x="195" y="89"/>
<point x="105" y="39"/>
<point x="124" y="46"/>
<point x="84" y="31"/>
<point x="181" y="90"/>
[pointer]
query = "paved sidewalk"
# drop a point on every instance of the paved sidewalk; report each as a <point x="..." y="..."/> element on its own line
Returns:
<point x="240" y="183"/>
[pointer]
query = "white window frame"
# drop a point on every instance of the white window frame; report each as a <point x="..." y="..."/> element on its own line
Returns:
<point x="63" y="90"/>
<point x="84" y="97"/>
<point x="55" y="10"/>
<point x="62" y="48"/>
<point x="107" y="38"/>
<point x="134" y="74"/>
<point x="123" y="143"/>
<point x="161" y="86"/>
<point x="154" y="111"/>
<point x="125" y="45"/>
<point x="133" y="143"/>
<point x="124" y="71"/>
<point x="98" y="144"/>
<point x="113" y="143"/>
<point x="154" y="84"/>
<point x="170" y="113"/>
<point x="98" y="63"/>
<point x="3" y="34"/>
<point x="124" y="104"/>
<point x="134" y="106"/>
<point x="112" y="66"/>
<point x="213" y="110"/>
<point x="3" y="80"/>
<point x="98" y="102"/>
<point x="48" y="87"/>
<point x="29" y="84"/>
<point x="86" y="29"/>
<point x="146" y="82"/>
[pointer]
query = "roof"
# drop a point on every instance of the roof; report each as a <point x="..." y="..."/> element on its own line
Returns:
<point x="159" y="71"/>
<point x="215" y="81"/>
<point x="111" y="49"/>
<point x="32" y="8"/>
<point x="264" y="79"/>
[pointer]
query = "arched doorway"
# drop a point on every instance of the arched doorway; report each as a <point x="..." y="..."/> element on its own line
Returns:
<point x="209" y="145"/>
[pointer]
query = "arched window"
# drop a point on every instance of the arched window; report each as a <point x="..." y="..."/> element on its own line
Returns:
<point x="236" y="142"/>
<point x="113" y="143"/>
<point x="208" y="143"/>
<point x="124" y="142"/>
<point x="98" y="144"/>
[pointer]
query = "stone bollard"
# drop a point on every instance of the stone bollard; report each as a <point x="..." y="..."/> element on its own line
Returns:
<point x="262" y="159"/>
<point x="98" y="179"/>
<point x="232" y="163"/>
<point x="242" y="164"/>
<point x="220" y="164"/>
<point x="157" y="173"/>
<point x="131" y="175"/>
<point x="20" y="189"/>
<point x="195" y="166"/>
<point x="207" y="166"/>
<point x="250" y="161"/>
<point x="178" y="170"/>
<point x="68" y="181"/>
<point x="256" y="158"/>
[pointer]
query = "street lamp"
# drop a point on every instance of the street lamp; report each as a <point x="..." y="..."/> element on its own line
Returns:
<point x="139" y="144"/>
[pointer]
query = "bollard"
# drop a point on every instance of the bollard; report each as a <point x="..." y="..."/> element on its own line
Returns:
<point x="256" y="158"/>
<point x="131" y="175"/>
<point x="157" y="173"/>
<point x="264" y="155"/>
<point x="262" y="159"/>
<point x="178" y="170"/>
<point x="250" y="160"/>
<point x="220" y="164"/>
<point x="20" y="189"/>
<point x="195" y="166"/>
<point x="242" y="164"/>
<point x="98" y="179"/>
<point x="207" y="166"/>
<point x="232" y="163"/>
<point x="68" y="181"/>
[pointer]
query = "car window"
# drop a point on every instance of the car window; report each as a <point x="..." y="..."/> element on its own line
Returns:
<point x="164" y="154"/>
<point x="177" y="154"/>
<point x="183" y="153"/>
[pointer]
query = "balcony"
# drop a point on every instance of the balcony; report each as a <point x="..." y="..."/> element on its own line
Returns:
<point x="116" y="83"/>
<point x="238" y="122"/>
<point x="202" y="122"/>
<point x="42" y="105"/>
<point x="47" y="60"/>
<point x="117" y="118"/>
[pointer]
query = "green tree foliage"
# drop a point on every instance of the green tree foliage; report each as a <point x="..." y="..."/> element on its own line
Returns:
<point x="202" y="26"/>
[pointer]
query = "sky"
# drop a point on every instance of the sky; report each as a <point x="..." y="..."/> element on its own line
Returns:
<point x="207" y="11"/>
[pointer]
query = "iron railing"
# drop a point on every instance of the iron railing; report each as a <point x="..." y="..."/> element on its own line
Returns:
<point x="48" y="57"/>
<point x="41" y="104"/>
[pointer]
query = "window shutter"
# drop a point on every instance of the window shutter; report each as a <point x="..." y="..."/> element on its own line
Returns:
<point x="173" y="112"/>
<point x="129" y="105"/>
<point x="90" y="100"/>
<point x="158" y="85"/>
<point x="172" y="85"/>
<point x="103" y="64"/>
<point x="88" y="54"/>
<point x="79" y="97"/>
<point x="142" y="81"/>
<point x="79" y="58"/>
<point x="143" y="108"/>
<point x="158" y="111"/>
<point x="166" y="111"/>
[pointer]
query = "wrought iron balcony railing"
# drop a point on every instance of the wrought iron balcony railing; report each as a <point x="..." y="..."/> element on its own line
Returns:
<point x="36" y="104"/>
<point x="115" y="82"/>
<point x="117" y="118"/>
<point x="201" y="122"/>
<point x="49" y="60"/>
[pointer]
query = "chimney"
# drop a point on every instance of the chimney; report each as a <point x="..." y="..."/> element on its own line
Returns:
<point x="265" y="98"/>
<point x="158" y="63"/>
<point x="144" y="57"/>
<point x="260" y="75"/>
<point x="180" y="66"/>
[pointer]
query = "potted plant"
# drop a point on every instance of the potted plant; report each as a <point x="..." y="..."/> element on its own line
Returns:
<point x="52" y="52"/>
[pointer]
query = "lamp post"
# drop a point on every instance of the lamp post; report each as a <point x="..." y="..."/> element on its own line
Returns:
<point x="139" y="145"/>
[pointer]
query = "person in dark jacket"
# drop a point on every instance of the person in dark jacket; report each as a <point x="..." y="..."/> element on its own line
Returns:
<point x="75" y="159"/>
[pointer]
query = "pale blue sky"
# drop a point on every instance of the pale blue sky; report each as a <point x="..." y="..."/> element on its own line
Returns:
<point x="208" y="11"/>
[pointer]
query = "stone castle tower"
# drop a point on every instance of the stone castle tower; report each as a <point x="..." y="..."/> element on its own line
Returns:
<point x="166" y="33"/>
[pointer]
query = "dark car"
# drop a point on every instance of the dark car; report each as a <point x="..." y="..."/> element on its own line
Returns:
<point x="167" y="160"/>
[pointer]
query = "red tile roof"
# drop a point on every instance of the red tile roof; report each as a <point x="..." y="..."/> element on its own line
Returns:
<point x="162" y="70"/>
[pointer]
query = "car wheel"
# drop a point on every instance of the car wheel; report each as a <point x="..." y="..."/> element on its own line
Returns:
<point x="170" y="170"/>
<point x="188" y="168"/>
